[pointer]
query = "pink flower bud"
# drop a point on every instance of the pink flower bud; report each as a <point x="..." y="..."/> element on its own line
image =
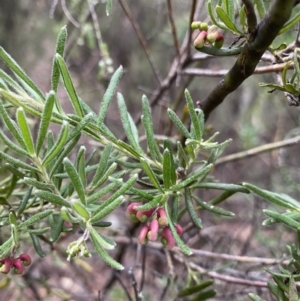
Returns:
<point x="179" y="229"/>
<point x="219" y="42"/>
<point x="26" y="259"/>
<point x="162" y="217"/>
<point x="153" y="230"/>
<point x="132" y="212"/>
<point x="200" y="40"/>
<point x="144" y="215"/>
<point x="167" y="238"/>
<point x="7" y="264"/>
<point x="212" y="37"/>
<point x="142" y="238"/>
<point x="19" y="268"/>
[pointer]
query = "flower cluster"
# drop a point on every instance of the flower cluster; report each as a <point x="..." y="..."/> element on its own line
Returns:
<point x="155" y="225"/>
<point x="17" y="264"/>
<point x="208" y="35"/>
<point x="77" y="248"/>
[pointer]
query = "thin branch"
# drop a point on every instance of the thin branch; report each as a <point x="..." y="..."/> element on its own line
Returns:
<point x="96" y="26"/>
<point x="225" y="278"/>
<point x="258" y="150"/>
<point x="192" y="15"/>
<point x="142" y="39"/>
<point x="173" y="27"/>
<point x="257" y="44"/>
<point x="223" y="72"/>
<point x="197" y="252"/>
<point x="68" y="14"/>
<point x="123" y="286"/>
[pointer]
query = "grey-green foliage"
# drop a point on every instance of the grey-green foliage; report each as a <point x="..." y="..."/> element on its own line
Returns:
<point x="60" y="190"/>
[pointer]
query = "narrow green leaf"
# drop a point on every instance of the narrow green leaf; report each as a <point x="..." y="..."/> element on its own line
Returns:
<point x="111" y="205"/>
<point x="40" y="231"/>
<point x="205" y="295"/>
<point x="210" y="10"/>
<point x="108" y="7"/>
<point x="57" y="229"/>
<point x="16" y="162"/>
<point x="178" y="123"/>
<point x="102" y="242"/>
<point x="109" y="93"/>
<point x="37" y="245"/>
<point x="226" y="20"/>
<point x="24" y="201"/>
<point x="58" y="146"/>
<point x="110" y="261"/>
<point x="198" y="176"/>
<point x="80" y="210"/>
<point x="191" y="209"/>
<point x="25" y="130"/>
<point x="38" y="184"/>
<point x="13" y="146"/>
<point x="271" y="197"/>
<point x="184" y="248"/>
<point x="69" y="85"/>
<point x="35" y="218"/>
<point x="79" y="127"/>
<point x="284" y="73"/>
<point x="105" y="176"/>
<point x="80" y="164"/>
<point x="148" y="125"/>
<point x="70" y="146"/>
<point x="116" y="195"/>
<point x="283" y="219"/>
<point x="148" y="170"/>
<point x="261" y="9"/>
<point x="272" y="86"/>
<point x="156" y="201"/>
<point x="221" y="186"/>
<point x="52" y="198"/>
<point x="75" y="179"/>
<point x="289" y="24"/>
<point x="175" y="210"/>
<point x="181" y="155"/>
<point x="229" y="9"/>
<point x="14" y="234"/>
<point x="60" y="46"/>
<point x="167" y="169"/>
<point x="293" y="292"/>
<point x="100" y="193"/>
<point x="102" y="164"/>
<point x="296" y="65"/>
<point x="243" y="19"/>
<point x="12" y="83"/>
<point x="6" y="247"/>
<point x="131" y="132"/>
<point x="254" y="297"/>
<point x="193" y="114"/>
<point x="12" y="64"/>
<point x="195" y="289"/>
<point x="102" y="224"/>
<point x="210" y="207"/>
<point x="68" y="217"/>
<point x="45" y="121"/>
<point x="128" y="149"/>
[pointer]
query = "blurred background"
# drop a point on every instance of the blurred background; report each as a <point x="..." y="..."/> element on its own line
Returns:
<point x="138" y="35"/>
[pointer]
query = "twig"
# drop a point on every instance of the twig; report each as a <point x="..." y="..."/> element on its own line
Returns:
<point x="196" y="252"/>
<point x="123" y="286"/>
<point x="141" y="38"/>
<point x="220" y="73"/>
<point x="225" y="278"/>
<point x="134" y="284"/>
<point x="52" y="8"/>
<point x="68" y="14"/>
<point x="96" y="26"/>
<point x="192" y="15"/>
<point x="173" y="27"/>
<point x="258" y="150"/>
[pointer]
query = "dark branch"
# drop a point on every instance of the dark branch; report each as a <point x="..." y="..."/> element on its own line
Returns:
<point x="257" y="44"/>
